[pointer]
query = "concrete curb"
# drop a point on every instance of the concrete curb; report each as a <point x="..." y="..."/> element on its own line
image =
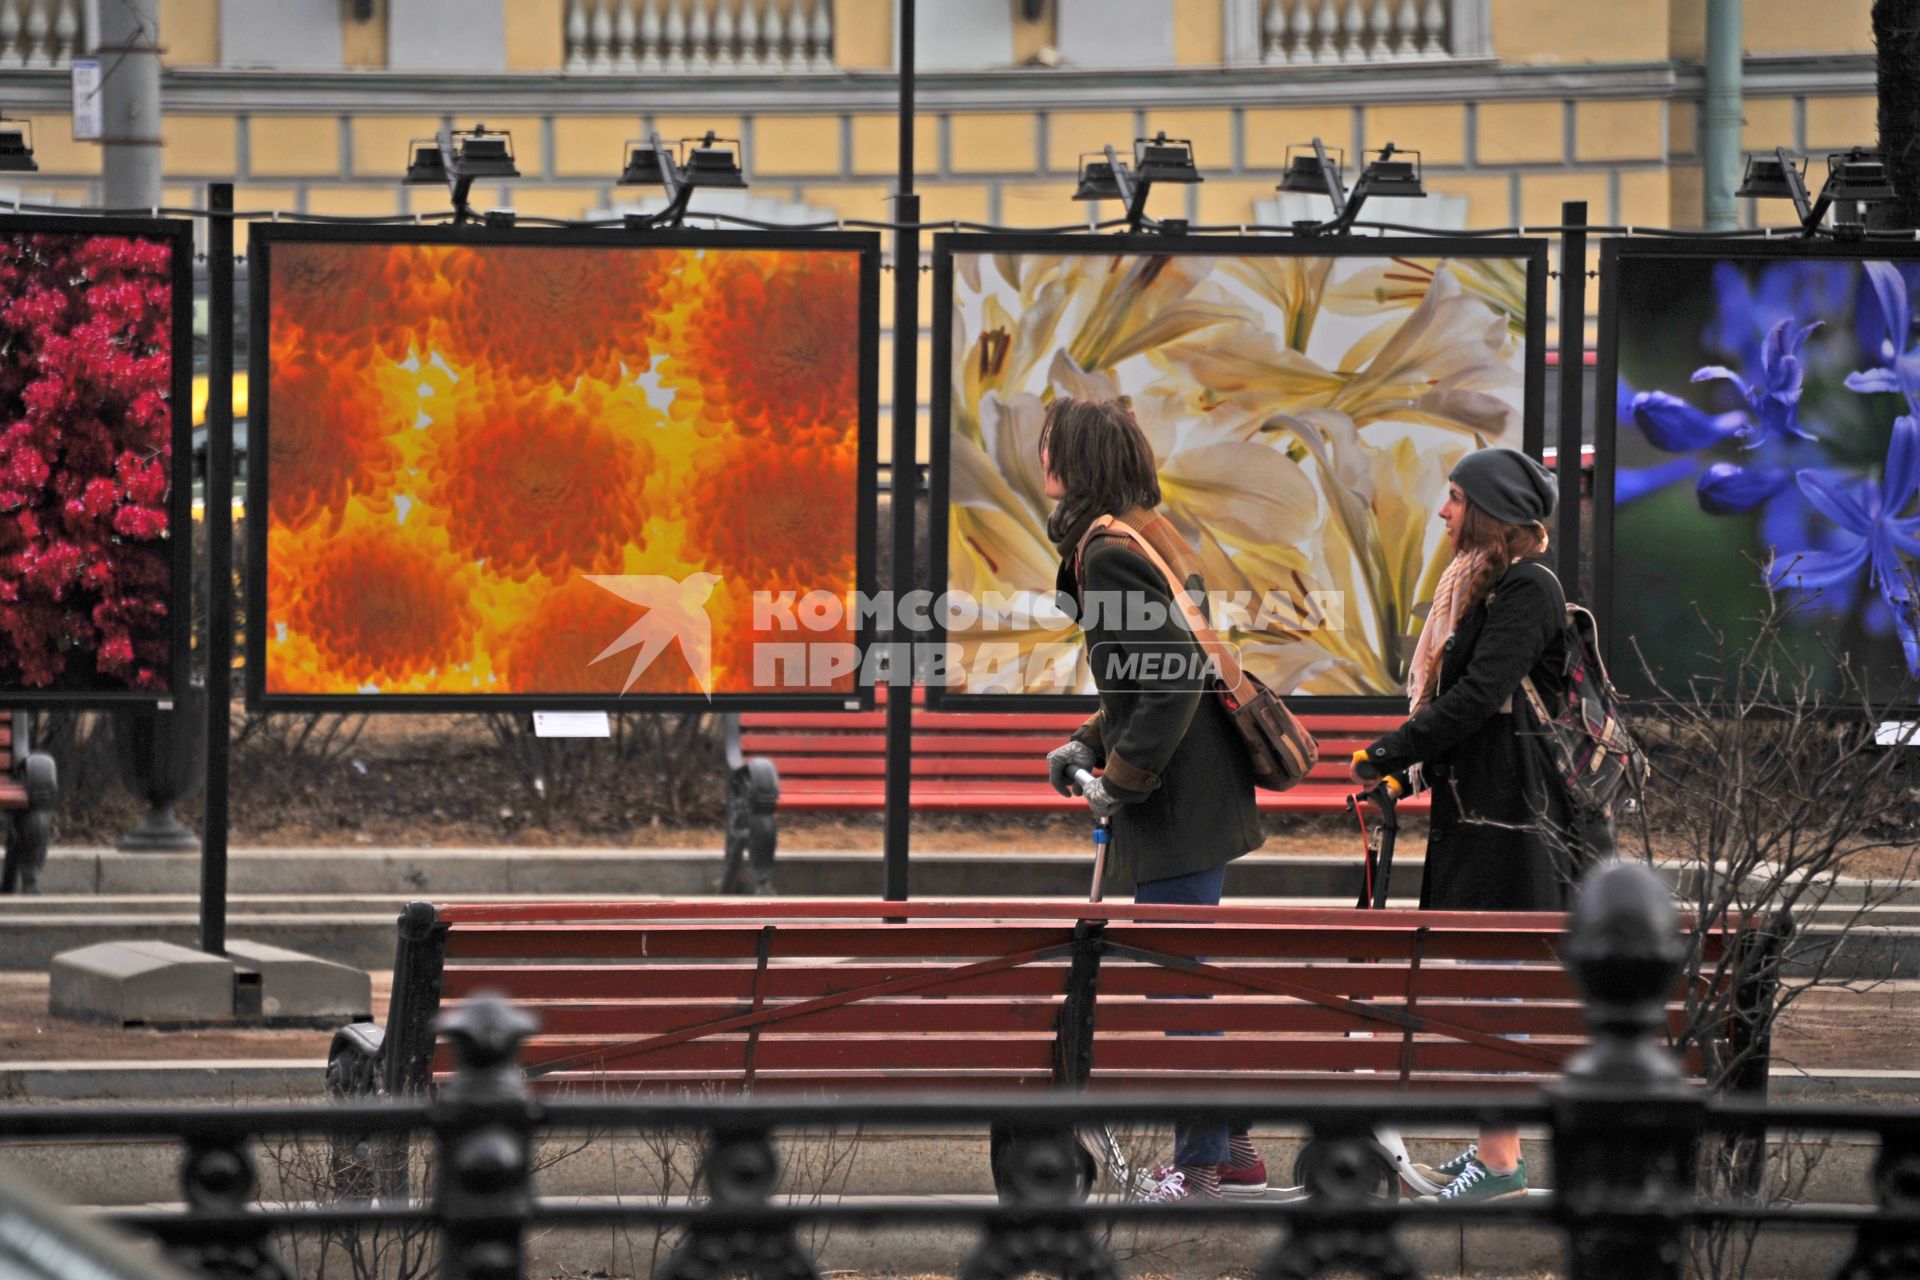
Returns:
<point x="223" y="1078"/>
<point x="680" y="872"/>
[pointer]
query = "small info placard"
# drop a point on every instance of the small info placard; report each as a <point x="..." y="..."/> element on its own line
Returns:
<point x="1896" y="733"/>
<point x="572" y="724"/>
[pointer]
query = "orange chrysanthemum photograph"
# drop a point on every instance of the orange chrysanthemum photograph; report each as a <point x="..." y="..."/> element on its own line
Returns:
<point x="484" y="459"/>
<point x="764" y="343"/>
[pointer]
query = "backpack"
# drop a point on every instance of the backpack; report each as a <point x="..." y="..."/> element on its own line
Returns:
<point x="1589" y="749"/>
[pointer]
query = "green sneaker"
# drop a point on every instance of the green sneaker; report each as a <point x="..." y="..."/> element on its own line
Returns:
<point x="1442" y="1174"/>
<point x="1477" y="1182"/>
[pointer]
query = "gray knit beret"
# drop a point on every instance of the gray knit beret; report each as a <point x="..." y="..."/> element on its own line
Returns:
<point x="1507" y="485"/>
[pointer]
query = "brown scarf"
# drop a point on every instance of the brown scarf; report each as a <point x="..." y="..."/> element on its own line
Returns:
<point x="1068" y="524"/>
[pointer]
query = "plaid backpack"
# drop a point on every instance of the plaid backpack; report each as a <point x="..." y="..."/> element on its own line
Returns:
<point x="1588" y="746"/>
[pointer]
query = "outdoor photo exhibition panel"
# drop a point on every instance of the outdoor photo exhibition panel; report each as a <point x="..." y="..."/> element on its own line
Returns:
<point x="96" y="460"/>
<point x="1756" y="428"/>
<point x="1305" y="400"/>
<point x="560" y="470"/>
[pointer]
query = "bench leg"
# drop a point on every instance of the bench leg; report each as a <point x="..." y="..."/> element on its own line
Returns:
<point x="753" y="794"/>
<point x="28" y="835"/>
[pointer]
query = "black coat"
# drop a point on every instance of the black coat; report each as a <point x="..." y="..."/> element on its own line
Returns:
<point x="1500" y="836"/>
<point x="1165" y="745"/>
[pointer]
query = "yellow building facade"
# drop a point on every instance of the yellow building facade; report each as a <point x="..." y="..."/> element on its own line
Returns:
<point x="1514" y="105"/>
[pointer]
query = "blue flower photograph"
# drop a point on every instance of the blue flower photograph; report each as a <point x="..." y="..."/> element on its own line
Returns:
<point x="1767" y="436"/>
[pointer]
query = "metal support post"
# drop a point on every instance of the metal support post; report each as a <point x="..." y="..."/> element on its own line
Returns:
<point x="219" y="500"/>
<point x="1573" y="355"/>
<point x="906" y="415"/>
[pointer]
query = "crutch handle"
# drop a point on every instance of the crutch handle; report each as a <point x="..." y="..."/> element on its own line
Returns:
<point x="1082" y="778"/>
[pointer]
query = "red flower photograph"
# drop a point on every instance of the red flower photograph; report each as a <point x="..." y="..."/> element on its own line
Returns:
<point x="87" y="564"/>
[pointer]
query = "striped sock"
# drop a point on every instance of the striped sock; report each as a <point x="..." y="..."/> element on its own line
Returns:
<point x="1204" y="1180"/>
<point x="1240" y="1152"/>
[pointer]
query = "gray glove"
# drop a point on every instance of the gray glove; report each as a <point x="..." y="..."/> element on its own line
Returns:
<point x="1063" y="760"/>
<point x="1102" y="801"/>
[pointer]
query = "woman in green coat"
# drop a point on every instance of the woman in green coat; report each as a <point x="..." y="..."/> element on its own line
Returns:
<point x="1176" y="780"/>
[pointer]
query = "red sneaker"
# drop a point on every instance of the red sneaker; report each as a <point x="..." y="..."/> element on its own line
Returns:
<point x="1246" y="1180"/>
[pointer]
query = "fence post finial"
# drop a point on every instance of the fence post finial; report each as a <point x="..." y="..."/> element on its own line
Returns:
<point x="483" y="1120"/>
<point x="1626" y="1124"/>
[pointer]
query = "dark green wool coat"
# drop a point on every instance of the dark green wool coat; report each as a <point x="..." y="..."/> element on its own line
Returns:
<point x="1165" y="745"/>
<point x="1499" y="838"/>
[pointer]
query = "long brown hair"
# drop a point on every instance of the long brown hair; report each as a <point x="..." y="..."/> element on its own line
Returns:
<point x="1100" y="455"/>
<point x="1501" y="543"/>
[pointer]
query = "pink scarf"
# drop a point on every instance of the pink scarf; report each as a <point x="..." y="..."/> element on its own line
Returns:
<point x="1450" y="604"/>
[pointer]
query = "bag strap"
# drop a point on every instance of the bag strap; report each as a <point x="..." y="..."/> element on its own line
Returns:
<point x="1224" y="660"/>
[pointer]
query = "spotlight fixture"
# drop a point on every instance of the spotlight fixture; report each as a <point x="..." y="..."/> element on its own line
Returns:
<point x="710" y="164"/>
<point x="1105" y="176"/>
<point x="16" y="146"/>
<point x="459" y="157"/>
<point x="710" y="161"/>
<point x="1781" y="176"/>
<point x="1313" y="169"/>
<point x="1164" y="159"/>
<point x="1100" y="179"/>
<point x="1859" y="175"/>
<point x="1854" y="177"/>
<point x="649" y="164"/>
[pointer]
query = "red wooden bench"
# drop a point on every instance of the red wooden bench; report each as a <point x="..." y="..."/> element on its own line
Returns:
<point x="963" y="762"/>
<point x="788" y="995"/>
<point x="29" y="790"/>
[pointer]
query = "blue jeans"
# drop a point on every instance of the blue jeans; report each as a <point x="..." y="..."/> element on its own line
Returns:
<point x="1202" y="1145"/>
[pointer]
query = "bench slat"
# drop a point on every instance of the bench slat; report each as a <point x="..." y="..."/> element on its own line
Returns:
<point x="971" y="913"/>
<point x="1308" y="799"/>
<point x="625" y="941"/>
<point x="1035" y="1053"/>
<point x="587" y="1022"/>
<point x="611" y="982"/>
<point x="623" y="1083"/>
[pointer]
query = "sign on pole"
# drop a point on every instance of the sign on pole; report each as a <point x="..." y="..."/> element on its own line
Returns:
<point x="89" y="108"/>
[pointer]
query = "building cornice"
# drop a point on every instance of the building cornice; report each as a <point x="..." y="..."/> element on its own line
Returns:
<point x="191" y="91"/>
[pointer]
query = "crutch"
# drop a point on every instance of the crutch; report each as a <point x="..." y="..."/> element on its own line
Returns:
<point x="1098" y="1138"/>
<point x="1380" y="840"/>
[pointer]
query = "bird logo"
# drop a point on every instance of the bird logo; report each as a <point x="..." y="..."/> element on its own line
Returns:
<point x="676" y="609"/>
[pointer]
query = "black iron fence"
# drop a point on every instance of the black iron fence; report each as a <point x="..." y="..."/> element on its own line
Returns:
<point x="1628" y="1141"/>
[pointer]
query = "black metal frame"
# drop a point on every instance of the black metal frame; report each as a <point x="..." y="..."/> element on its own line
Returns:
<point x="178" y="234"/>
<point x="1534" y="252"/>
<point x="1607" y="389"/>
<point x="266" y="235"/>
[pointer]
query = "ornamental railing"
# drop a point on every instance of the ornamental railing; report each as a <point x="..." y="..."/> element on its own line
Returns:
<point x="614" y="37"/>
<point x="42" y="33"/>
<point x="1322" y="32"/>
<point x="1629" y="1142"/>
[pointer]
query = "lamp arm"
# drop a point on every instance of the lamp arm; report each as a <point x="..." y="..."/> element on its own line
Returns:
<point x="1133" y="191"/>
<point x="459" y="185"/>
<point x="1803" y="205"/>
<point x="668" y="178"/>
<point x="1335" y="191"/>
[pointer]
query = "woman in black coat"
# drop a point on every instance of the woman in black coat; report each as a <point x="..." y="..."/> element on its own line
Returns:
<point x="1176" y="779"/>
<point x="1499" y="836"/>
